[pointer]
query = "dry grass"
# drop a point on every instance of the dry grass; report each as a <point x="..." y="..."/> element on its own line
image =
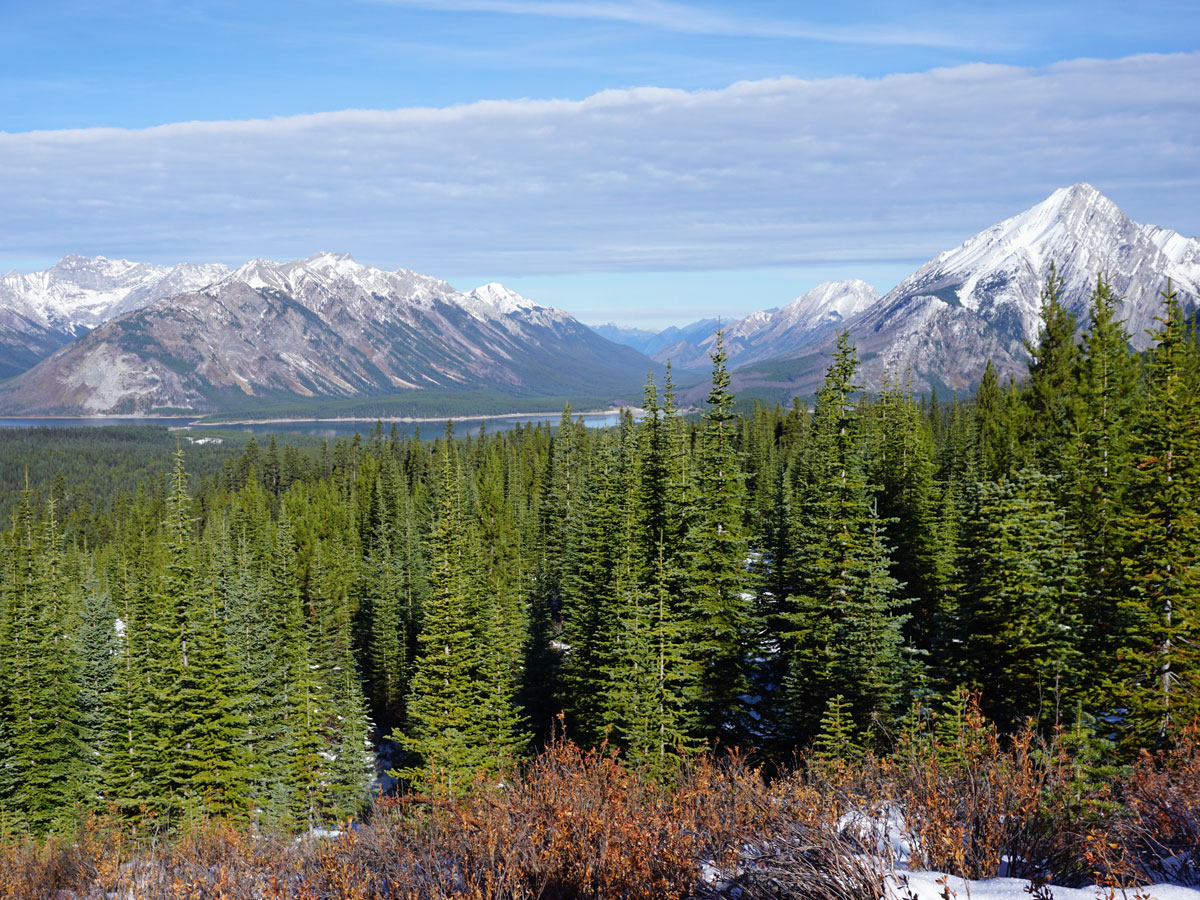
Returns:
<point x="578" y="824"/>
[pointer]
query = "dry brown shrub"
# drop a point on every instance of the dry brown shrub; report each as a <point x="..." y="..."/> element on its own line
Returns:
<point x="581" y="824"/>
<point x="1157" y="837"/>
<point x="572" y="824"/>
<point x="976" y="801"/>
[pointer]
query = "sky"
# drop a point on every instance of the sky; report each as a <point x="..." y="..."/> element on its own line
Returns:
<point x="647" y="162"/>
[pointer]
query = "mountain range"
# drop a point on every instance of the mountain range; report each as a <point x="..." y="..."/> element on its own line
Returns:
<point x="326" y="327"/>
<point x="42" y="311"/>
<point x="979" y="301"/>
<point x="110" y="336"/>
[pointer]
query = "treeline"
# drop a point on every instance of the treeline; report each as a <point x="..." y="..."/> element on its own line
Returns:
<point x="788" y="579"/>
<point x="88" y="469"/>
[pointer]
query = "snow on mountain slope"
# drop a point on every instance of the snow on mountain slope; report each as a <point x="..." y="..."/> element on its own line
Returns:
<point x="78" y="293"/>
<point x="1002" y="270"/>
<point x="778" y="332"/>
<point x="497" y="299"/>
<point x="982" y="299"/>
<point x="820" y="310"/>
<point x="42" y="311"/>
<point x="325" y="326"/>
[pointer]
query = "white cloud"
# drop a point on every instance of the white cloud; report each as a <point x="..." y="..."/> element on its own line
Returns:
<point x="777" y="172"/>
<point x="688" y="19"/>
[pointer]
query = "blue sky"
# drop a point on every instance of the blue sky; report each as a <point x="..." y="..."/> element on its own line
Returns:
<point x="643" y="161"/>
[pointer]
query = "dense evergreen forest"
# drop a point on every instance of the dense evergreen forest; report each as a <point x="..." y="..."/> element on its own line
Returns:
<point x="244" y="642"/>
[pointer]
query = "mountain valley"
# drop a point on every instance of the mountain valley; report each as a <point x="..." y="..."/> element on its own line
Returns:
<point x="99" y="336"/>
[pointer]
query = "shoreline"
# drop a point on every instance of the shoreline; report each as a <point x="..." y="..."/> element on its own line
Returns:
<point x="408" y="420"/>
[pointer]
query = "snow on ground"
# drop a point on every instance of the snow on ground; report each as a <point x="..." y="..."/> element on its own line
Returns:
<point x="887" y="831"/>
<point x="928" y="886"/>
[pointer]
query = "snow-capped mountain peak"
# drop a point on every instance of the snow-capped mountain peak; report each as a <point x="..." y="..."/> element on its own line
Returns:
<point x="837" y="300"/>
<point x="258" y="274"/>
<point x="322" y="326"/>
<point x="334" y="263"/>
<point x="1001" y="270"/>
<point x="983" y="299"/>
<point x="764" y="334"/>
<point x="501" y="298"/>
<point x="78" y="292"/>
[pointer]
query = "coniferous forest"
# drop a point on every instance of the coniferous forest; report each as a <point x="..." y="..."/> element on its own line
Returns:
<point x="272" y="642"/>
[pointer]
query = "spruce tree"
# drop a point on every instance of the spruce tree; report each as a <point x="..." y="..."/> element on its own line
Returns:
<point x="1098" y="460"/>
<point x="1159" y="628"/>
<point x="386" y="591"/>
<point x="1020" y="620"/>
<point x="1053" y="369"/>
<point x="901" y="469"/>
<point x="99" y="651"/>
<point x="42" y="678"/>
<point x="598" y="572"/>
<point x="446" y="736"/>
<point x="871" y="660"/>
<point x="720" y="611"/>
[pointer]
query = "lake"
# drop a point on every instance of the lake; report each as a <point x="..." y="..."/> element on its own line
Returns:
<point x="328" y="428"/>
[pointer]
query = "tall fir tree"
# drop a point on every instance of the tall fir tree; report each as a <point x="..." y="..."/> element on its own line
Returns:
<point x="1020" y="615"/>
<point x="457" y="722"/>
<point x="719" y="607"/>
<point x="1053" y="370"/>
<point x="846" y="617"/>
<point x="41" y="693"/>
<point x="1098" y="462"/>
<point x="1159" y="619"/>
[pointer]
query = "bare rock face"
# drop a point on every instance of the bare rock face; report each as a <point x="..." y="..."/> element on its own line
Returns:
<point x="325" y="326"/>
<point x="42" y="311"/>
<point x="982" y="300"/>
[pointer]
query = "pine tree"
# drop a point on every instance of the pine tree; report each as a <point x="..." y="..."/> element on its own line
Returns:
<point x="720" y="614"/>
<point x="446" y="736"/>
<point x="1159" y="628"/>
<point x="1053" y="368"/>
<point x="1020" y="623"/>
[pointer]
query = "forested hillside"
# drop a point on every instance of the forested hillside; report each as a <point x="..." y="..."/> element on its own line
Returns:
<point x="237" y="644"/>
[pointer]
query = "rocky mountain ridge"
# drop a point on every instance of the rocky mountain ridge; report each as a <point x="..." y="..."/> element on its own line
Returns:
<point x="41" y="311"/>
<point x="983" y="298"/>
<point x="330" y="327"/>
<point x="325" y="326"/>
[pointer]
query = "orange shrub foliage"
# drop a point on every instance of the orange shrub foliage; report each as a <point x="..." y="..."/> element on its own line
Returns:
<point x="580" y="824"/>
